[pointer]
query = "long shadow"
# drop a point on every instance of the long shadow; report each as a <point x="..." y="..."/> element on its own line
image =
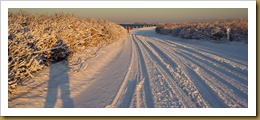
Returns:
<point x="59" y="79"/>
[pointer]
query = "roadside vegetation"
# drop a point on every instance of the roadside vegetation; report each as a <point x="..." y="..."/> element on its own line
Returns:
<point x="230" y="30"/>
<point x="37" y="40"/>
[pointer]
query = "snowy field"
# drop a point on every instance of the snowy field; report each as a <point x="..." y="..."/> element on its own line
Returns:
<point x="144" y="70"/>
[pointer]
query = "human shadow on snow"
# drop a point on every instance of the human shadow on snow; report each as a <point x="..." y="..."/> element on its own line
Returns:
<point x="59" y="79"/>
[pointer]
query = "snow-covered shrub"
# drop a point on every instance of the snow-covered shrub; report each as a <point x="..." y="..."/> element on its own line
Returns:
<point x="186" y="33"/>
<point x="36" y="40"/>
<point x="233" y="30"/>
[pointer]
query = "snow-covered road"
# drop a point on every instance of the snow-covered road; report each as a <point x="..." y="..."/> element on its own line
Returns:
<point x="147" y="70"/>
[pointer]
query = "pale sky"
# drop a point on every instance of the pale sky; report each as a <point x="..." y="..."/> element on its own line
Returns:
<point x="161" y="15"/>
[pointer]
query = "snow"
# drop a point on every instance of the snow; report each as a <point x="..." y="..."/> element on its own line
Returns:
<point x="144" y="70"/>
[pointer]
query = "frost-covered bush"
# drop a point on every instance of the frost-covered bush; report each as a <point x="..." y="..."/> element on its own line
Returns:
<point x="217" y="30"/>
<point x="34" y="39"/>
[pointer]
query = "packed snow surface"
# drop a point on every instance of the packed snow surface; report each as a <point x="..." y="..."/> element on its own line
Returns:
<point x="144" y="70"/>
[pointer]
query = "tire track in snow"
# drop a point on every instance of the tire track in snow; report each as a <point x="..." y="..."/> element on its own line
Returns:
<point x="218" y="59"/>
<point x="182" y="78"/>
<point x="163" y="94"/>
<point x="164" y="91"/>
<point x="236" y="67"/>
<point x="166" y="70"/>
<point x="230" y="64"/>
<point x="232" y="58"/>
<point x="228" y="93"/>
<point x="203" y="88"/>
<point x="240" y="101"/>
<point x="144" y="75"/>
<point x="238" y="79"/>
<point x="125" y="93"/>
<point x="232" y="80"/>
<point x="136" y="83"/>
<point x="235" y="83"/>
